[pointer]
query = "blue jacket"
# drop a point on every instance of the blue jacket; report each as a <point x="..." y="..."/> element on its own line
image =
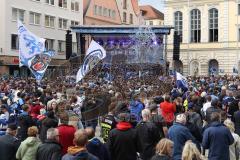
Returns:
<point x="98" y="149"/>
<point x="179" y="134"/>
<point x="217" y="139"/>
<point x="83" y="155"/>
<point x="136" y="110"/>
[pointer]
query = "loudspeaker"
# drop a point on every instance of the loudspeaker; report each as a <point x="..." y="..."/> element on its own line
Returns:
<point x="176" y="46"/>
<point x="68" y="44"/>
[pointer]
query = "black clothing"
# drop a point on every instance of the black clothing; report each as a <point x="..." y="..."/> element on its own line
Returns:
<point x="160" y="157"/>
<point x="122" y="144"/>
<point x="148" y="137"/>
<point x="236" y="119"/>
<point x="50" y="150"/>
<point x="8" y="147"/>
<point x="107" y="124"/>
<point x="46" y="124"/>
<point x="159" y="122"/>
<point x="24" y="121"/>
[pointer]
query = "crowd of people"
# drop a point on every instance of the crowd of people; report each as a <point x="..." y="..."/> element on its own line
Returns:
<point x="146" y="119"/>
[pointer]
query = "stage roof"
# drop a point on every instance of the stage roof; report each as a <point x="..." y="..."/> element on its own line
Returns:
<point x="118" y="29"/>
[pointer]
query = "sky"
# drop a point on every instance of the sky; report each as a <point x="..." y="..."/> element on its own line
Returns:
<point x="158" y="4"/>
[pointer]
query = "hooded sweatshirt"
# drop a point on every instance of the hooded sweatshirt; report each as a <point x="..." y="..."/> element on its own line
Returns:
<point x="78" y="153"/>
<point x="28" y="149"/>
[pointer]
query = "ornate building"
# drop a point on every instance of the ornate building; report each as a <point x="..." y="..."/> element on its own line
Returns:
<point x="210" y="34"/>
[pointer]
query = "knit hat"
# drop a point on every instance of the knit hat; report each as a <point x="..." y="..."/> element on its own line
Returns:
<point x="181" y="118"/>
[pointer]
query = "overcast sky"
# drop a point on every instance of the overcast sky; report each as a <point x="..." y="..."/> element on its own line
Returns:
<point x="155" y="3"/>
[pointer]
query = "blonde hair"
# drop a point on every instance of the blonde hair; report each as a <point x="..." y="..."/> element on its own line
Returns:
<point x="190" y="152"/>
<point x="162" y="146"/>
<point x="229" y="124"/>
<point x="32" y="131"/>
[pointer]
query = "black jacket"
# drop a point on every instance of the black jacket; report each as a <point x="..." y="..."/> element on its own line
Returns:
<point x="24" y="122"/>
<point x="160" y="157"/>
<point x="122" y="142"/>
<point x="8" y="147"/>
<point x="148" y="137"/>
<point x="50" y="150"/>
<point x="236" y="119"/>
<point x="46" y="124"/>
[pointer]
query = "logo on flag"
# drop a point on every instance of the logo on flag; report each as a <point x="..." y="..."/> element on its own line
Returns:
<point x="32" y="52"/>
<point x="95" y="53"/>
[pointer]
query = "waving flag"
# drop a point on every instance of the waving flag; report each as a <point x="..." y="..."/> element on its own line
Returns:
<point x="181" y="82"/>
<point x="32" y="52"/>
<point x="95" y="53"/>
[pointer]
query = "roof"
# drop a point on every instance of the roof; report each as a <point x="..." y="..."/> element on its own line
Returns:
<point x="118" y="29"/>
<point x="149" y="12"/>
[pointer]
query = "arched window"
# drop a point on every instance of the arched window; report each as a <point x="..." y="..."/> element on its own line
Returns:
<point x="178" y="23"/>
<point x="213" y="25"/>
<point x="195" y="26"/>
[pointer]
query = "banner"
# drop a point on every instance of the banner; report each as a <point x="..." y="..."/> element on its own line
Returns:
<point x="32" y="52"/>
<point x="94" y="54"/>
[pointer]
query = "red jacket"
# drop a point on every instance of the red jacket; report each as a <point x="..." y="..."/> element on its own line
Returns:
<point x="66" y="135"/>
<point x="35" y="110"/>
<point x="168" y="111"/>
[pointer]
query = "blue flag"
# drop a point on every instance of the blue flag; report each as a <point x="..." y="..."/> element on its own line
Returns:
<point x="181" y="82"/>
<point x="32" y="52"/>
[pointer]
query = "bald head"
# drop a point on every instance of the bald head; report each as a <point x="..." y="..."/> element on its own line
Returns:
<point x="90" y="132"/>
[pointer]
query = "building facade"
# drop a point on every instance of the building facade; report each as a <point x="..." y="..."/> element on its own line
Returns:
<point x="129" y="11"/>
<point x="47" y="19"/>
<point x="210" y="34"/>
<point x="152" y="16"/>
<point x="110" y="12"/>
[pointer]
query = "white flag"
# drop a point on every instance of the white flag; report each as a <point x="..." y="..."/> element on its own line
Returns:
<point x="94" y="54"/>
<point x="29" y="44"/>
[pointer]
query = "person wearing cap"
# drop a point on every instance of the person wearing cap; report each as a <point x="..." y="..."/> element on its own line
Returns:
<point x="179" y="134"/>
<point x="123" y="138"/>
<point x="9" y="143"/>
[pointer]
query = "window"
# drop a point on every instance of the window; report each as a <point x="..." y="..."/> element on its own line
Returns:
<point x="95" y="9"/>
<point x="124" y="17"/>
<point x="62" y="23"/>
<point x="150" y="23"/>
<point x="238" y="34"/>
<point x="50" y="21"/>
<point x="213" y="25"/>
<point x="109" y="13"/>
<point x="195" y="26"/>
<point x="74" y="23"/>
<point x="61" y="46"/>
<point x="131" y="19"/>
<point x="74" y="47"/>
<point x="62" y="3"/>
<point x="17" y="14"/>
<point x="105" y="12"/>
<point x="74" y="6"/>
<point x="113" y="14"/>
<point x="100" y="11"/>
<point x="51" y="2"/>
<point x="238" y="9"/>
<point x="124" y="4"/>
<point x="178" y="23"/>
<point x="34" y="18"/>
<point x="49" y="44"/>
<point x="14" y="41"/>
